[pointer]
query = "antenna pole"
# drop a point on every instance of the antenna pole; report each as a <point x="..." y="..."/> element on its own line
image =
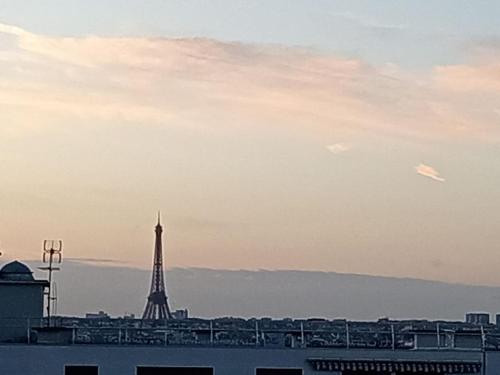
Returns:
<point x="52" y="253"/>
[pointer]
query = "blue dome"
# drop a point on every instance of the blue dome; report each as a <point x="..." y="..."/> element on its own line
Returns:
<point x="16" y="271"/>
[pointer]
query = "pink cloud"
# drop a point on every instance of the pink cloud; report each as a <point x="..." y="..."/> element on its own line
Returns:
<point x="469" y="78"/>
<point x="203" y="83"/>
<point x="428" y="171"/>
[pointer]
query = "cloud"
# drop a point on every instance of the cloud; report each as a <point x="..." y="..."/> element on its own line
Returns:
<point x="14" y="30"/>
<point x="482" y="76"/>
<point x="96" y="261"/>
<point x="428" y="171"/>
<point x="465" y="78"/>
<point x="338" y="148"/>
<point x="205" y="83"/>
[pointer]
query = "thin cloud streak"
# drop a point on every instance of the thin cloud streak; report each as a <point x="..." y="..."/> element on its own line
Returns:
<point x="428" y="171"/>
<point x="96" y="260"/>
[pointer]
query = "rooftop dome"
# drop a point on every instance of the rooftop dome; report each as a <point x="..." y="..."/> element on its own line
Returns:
<point x="16" y="271"/>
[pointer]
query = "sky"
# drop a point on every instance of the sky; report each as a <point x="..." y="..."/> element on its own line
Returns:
<point x="348" y="136"/>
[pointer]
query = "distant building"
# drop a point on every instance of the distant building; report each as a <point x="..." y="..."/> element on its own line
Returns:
<point x="180" y="314"/>
<point x="100" y="315"/>
<point x="479" y="318"/>
<point x="21" y="301"/>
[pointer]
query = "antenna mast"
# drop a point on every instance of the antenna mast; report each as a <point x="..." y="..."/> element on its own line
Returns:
<point x="52" y="253"/>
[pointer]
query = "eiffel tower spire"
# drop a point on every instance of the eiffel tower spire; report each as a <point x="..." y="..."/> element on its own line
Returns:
<point x="157" y="303"/>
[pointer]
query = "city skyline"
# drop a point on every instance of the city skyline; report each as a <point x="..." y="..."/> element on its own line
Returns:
<point x="345" y="136"/>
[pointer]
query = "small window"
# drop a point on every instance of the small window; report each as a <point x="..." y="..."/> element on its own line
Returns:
<point x="278" y="371"/>
<point x="174" y="371"/>
<point x="81" y="370"/>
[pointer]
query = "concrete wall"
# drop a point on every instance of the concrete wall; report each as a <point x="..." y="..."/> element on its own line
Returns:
<point x="115" y="360"/>
<point x="18" y="304"/>
<point x="492" y="363"/>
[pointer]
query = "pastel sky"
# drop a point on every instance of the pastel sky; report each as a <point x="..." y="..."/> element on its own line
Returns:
<point x="349" y="136"/>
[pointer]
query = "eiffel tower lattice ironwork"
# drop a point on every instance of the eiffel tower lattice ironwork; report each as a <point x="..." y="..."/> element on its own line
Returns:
<point x="157" y="304"/>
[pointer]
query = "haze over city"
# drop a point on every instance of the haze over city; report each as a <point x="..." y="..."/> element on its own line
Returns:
<point x="347" y="136"/>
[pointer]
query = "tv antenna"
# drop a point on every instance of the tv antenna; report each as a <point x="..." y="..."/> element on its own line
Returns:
<point x="54" y="299"/>
<point x="52" y="253"/>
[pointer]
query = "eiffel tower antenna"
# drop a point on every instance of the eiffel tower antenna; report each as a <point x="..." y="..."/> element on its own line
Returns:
<point x="157" y="303"/>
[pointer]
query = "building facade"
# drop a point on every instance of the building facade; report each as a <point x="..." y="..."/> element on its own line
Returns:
<point x="113" y="360"/>
<point x="21" y="301"/>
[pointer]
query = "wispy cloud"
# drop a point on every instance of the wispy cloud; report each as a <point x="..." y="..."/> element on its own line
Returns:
<point x="338" y="148"/>
<point x="481" y="76"/>
<point x="96" y="260"/>
<point x="428" y="171"/>
<point x="466" y="78"/>
<point x="203" y="83"/>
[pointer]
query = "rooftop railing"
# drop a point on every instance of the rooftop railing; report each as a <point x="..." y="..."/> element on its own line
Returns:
<point x="233" y="332"/>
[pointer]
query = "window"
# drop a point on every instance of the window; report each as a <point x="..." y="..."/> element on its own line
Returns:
<point x="174" y="371"/>
<point x="81" y="370"/>
<point x="278" y="371"/>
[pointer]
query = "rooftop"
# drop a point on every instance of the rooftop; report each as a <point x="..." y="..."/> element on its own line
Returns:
<point x="16" y="271"/>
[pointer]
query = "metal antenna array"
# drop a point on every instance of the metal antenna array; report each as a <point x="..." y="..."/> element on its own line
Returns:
<point x="52" y="253"/>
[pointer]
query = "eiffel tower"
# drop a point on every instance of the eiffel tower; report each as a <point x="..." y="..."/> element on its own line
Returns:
<point x="157" y="304"/>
